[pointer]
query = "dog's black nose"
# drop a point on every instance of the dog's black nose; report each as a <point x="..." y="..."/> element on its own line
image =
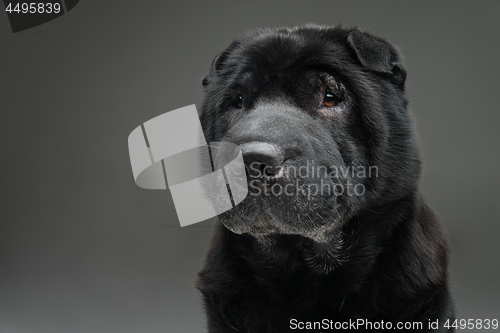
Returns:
<point x="262" y="159"/>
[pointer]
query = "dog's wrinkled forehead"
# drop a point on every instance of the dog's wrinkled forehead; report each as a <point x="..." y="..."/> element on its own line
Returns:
<point x="285" y="52"/>
<point x="269" y="51"/>
<point x="288" y="65"/>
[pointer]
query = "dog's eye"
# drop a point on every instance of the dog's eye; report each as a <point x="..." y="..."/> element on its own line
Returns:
<point x="331" y="99"/>
<point x="238" y="103"/>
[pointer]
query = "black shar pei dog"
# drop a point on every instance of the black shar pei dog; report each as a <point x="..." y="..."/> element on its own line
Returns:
<point x="333" y="234"/>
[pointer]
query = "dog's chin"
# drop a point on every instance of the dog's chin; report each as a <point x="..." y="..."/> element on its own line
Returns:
<point x="264" y="225"/>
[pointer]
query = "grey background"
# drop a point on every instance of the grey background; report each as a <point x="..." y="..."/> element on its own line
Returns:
<point x="83" y="249"/>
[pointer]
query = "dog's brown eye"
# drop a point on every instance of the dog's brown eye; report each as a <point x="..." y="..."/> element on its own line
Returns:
<point x="239" y="102"/>
<point x="331" y="99"/>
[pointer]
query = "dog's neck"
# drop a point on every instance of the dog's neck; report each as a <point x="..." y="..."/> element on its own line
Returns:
<point x="339" y="247"/>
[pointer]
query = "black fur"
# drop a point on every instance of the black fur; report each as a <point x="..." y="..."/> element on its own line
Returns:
<point x="380" y="255"/>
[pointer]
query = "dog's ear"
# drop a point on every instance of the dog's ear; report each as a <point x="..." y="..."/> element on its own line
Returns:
<point x="220" y="60"/>
<point x="378" y="55"/>
<point x="218" y="63"/>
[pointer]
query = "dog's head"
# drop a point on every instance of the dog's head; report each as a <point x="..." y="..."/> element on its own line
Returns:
<point x="321" y="116"/>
